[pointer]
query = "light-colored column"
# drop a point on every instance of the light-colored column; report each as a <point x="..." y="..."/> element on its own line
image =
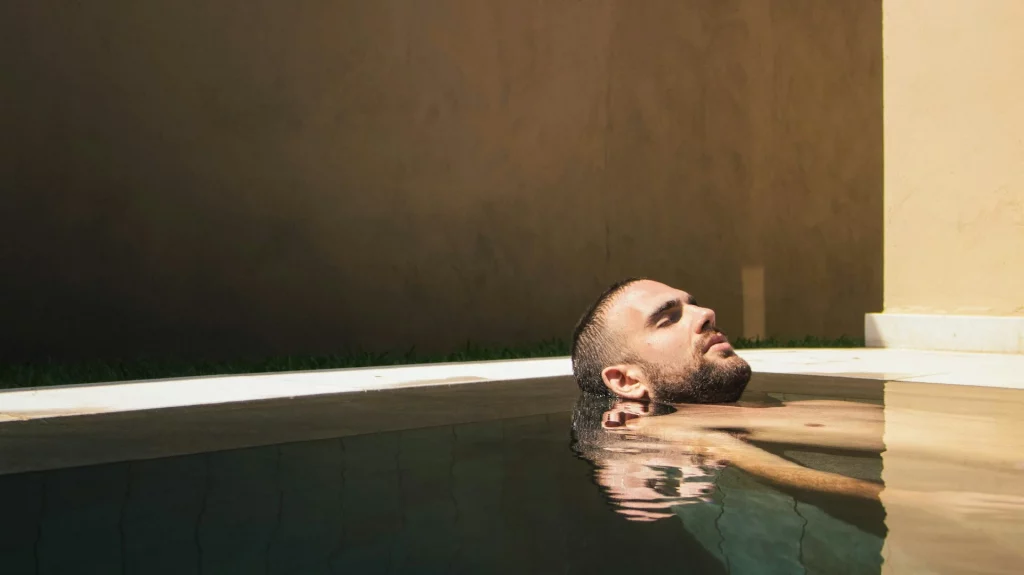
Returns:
<point x="954" y="176"/>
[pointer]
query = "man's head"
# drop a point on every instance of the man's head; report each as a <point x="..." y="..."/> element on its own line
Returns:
<point x="644" y="340"/>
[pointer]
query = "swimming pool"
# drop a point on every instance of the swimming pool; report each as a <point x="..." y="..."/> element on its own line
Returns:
<point x="503" y="477"/>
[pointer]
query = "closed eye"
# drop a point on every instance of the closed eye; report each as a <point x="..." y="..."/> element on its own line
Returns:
<point x="667" y="313"/>
<point x="670" y="318"/>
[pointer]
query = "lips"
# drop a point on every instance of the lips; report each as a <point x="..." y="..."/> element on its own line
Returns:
<point x="713" y="341"/>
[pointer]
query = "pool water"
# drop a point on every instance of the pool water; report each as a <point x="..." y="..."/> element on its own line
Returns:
<point x="557" y="492"/>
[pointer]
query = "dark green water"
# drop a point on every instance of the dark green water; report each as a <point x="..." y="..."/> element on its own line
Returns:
<point x="503" y="496"/>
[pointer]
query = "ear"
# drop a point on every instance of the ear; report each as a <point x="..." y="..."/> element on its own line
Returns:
<point x="626" y="381"/>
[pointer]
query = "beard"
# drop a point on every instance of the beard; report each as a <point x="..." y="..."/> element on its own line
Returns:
<point x="719" y="380"/>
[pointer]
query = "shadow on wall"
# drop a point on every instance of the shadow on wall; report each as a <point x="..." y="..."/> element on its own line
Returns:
<point x="196" y="179"/>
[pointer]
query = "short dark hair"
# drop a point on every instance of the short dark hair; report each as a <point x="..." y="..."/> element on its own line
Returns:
<point x="593" y="347"/>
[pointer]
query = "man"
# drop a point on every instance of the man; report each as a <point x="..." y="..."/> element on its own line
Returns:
<point x="644" y="340"/>
<point x="649" y="361"/>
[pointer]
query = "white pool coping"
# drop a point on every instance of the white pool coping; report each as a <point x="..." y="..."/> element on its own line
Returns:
<point x="964" y="333"/>
<point x="979" y="369"/>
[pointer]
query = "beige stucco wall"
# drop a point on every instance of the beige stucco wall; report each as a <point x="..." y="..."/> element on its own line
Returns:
<point x="954" y="157"/>
<point x="265" y="177"/>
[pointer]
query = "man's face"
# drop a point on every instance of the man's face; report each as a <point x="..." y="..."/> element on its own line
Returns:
<point x="674" y="351"/>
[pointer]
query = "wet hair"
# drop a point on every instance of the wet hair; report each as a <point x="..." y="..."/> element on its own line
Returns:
<point x="593" y="346"/>
<point x="586" y="429"/>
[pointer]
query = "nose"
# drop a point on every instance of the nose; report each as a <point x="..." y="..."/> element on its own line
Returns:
<point x="703" y="319"/>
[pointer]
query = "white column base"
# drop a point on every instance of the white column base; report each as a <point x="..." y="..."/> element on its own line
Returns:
<point x="989" y="334"/>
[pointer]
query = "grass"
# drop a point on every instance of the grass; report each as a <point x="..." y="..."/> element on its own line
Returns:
<point x="15" y="375"/>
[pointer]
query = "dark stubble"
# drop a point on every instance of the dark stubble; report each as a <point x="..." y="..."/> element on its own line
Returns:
<point x="719" y="380"/>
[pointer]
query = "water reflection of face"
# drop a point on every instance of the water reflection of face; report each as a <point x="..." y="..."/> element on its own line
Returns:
<point x="642" y="477"/>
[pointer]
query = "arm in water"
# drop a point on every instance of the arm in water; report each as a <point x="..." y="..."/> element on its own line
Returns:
<point x="959" y="506"/>
<point x="756" y="461"/>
